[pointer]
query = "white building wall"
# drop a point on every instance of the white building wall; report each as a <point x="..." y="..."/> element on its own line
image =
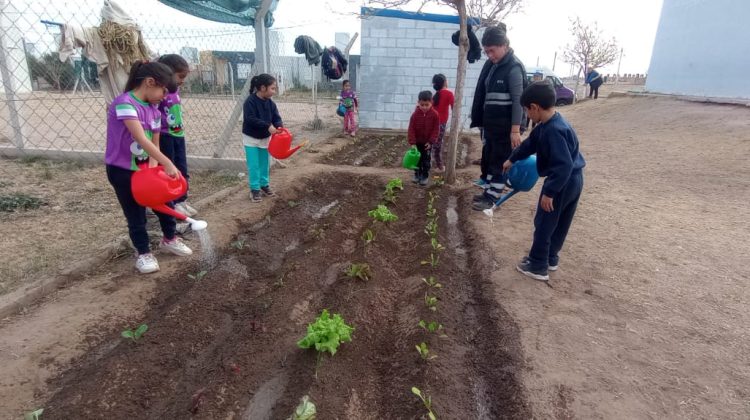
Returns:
<point x="702" y="48"/>
<point x="399" y="57"/>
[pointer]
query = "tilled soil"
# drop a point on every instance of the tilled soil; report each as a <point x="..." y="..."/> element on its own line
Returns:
<point x="224" y="346"/>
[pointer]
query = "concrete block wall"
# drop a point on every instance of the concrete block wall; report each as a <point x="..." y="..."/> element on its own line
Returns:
<point x="400" y="52"/>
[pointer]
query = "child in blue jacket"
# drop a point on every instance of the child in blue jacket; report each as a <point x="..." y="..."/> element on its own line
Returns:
<point x="558" y="159"/>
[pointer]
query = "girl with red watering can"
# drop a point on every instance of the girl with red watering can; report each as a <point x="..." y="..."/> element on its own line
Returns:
<point x="133" y="125"/>
<point x="261" y="119"/>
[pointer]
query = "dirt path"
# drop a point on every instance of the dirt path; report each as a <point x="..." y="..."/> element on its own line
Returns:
<point x="648" y="315"/>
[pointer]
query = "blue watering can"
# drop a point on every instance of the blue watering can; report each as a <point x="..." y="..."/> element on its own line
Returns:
<point x="522" y="176"/>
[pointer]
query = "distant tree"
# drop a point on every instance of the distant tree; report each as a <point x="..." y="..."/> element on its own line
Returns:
<point x="589" y="48"/>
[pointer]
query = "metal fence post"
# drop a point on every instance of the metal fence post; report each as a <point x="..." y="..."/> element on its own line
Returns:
<point x="10" y="93"/>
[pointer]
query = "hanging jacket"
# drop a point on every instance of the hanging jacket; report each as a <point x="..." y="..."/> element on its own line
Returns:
<point x="334" y="63"/>
<point x="308" y="46"/>
<point x="493" y="103"/>
<point x="475" y="50"/>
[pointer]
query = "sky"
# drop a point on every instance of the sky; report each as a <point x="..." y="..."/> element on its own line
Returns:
<point x="539" y="30"/>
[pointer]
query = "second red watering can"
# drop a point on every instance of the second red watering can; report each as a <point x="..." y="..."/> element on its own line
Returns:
<point x="153" y="188"/>
<point x="280" y="145"/>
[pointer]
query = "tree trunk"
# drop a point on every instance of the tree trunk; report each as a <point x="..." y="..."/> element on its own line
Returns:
<point x="463" y="48"/>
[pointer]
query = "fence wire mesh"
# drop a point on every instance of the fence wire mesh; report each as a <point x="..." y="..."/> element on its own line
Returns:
<point x="56" y="109"/>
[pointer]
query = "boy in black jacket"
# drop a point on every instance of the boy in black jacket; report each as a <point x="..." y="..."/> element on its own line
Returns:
<point x="557" y="158"/>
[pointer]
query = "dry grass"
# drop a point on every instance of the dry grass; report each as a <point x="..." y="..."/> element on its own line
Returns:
<point x="79" y="217"/>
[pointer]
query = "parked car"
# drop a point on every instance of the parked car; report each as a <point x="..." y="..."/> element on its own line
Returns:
<point x="565" y="95"/>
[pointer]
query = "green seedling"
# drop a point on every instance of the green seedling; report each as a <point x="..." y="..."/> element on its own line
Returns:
<point x="430" y="281"/>
<point x="436" y="245"/>
<point x="432" y="326"/>
<point x="426" y="400"/>
<point x="382" y="214"/>
<point x="197" y="276"/>
<point x="433" y="261"/>
<point x="359" y="271"/>
<point x="394" y="184"/>
<point x="239" y="244"/>
<point x="431" y="229"/>
<point x="431" y="212"/>
<point x="430" y="302"/>
<point x="438" y="181"/>
<point x="424" y="351"/>
<point x="304" y="411"/>
<point x="135" y="334"/>
<point x="368" y="236"/>
<point x="34" y="415"/>
<point x="389" y="196"/>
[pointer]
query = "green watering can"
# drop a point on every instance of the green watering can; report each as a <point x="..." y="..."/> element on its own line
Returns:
<point x="411" y="158"/>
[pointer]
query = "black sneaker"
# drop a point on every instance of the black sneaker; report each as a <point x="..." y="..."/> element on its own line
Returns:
<point x="483" y="204"/>
<point x="549" y="267"/>
<point x="524" y="267"/>
<point x="267" y="191"/>
<point x="415" y="179"/>
<point x="255" y="196"/>
<point x="424" y="181"/>
<point x="478" y="197"/>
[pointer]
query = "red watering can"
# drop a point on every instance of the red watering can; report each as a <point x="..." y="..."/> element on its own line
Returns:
<point x="153" y="188"/>
<point x="280" y="145"/>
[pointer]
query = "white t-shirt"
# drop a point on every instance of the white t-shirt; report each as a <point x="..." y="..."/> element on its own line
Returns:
<point x="253" y="142"/>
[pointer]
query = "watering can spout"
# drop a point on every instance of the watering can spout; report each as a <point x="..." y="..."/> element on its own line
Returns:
<point x="153" y="188"/>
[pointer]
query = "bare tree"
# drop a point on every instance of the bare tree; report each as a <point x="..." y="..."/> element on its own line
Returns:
<point x="589" y="48"/>
<point x="490" y="12"/>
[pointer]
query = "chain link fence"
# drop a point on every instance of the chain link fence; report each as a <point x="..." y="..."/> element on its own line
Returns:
<point x="56" y="109"/>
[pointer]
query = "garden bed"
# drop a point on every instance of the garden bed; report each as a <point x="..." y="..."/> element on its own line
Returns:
<point x="224" y="344"/>
<point x="385" y="151"/>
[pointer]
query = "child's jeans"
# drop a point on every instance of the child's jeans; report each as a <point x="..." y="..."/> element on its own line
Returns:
<point x="135" y="214"/>
<point x="423" y="170"/>
<point x="257" y="167"/>
<point x="551" y="228"/>
<point x="437" y="148"/>
<point x="174" y="149"/>
<point x="350" y="122"/>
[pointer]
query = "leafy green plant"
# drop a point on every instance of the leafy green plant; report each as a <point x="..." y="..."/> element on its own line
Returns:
<point x="197" y="276"/>
<point x="34" y="415"/>
<point x="326" y="334"/>
<point x="424" y="351"/>
<point x="436" y="246"/>
<point x="432" y="326"/>
<point x="239" y="244"/>
<point x="430" y="302"/>
<point x="359" y="271"/>
<point x="432" y="282"/>
<point x="433" y="261"/>
<point x="382" y="214"/>
<point x="393" y="184"/>
<point x="135" y="334"/>
<point x="368" y="236"/>
<point x="304" y="411"/>
<point x="426" y="400"/>
<point x="431" y="212"/>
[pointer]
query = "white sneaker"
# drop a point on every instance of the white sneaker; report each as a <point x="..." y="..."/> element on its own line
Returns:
<point x="146" y="263"/>
<point x="176" y="246"/>
<point x="185" y="209"/>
